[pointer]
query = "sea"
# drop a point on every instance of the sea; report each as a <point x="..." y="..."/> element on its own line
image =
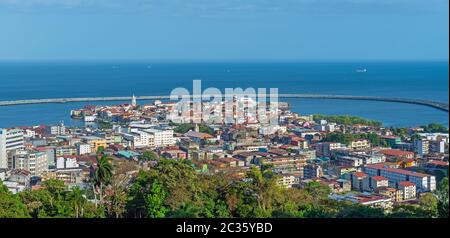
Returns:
<point x="37" y="80"/>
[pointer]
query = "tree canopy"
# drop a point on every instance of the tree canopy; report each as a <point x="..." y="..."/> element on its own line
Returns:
<point x="171" y="188"/>
<point x="346" y="120"/>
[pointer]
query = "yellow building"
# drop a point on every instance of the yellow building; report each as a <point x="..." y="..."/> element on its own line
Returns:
<point x="395" y="194"/>
<point x="360" y="144"/>
<point x="95" y="144"/>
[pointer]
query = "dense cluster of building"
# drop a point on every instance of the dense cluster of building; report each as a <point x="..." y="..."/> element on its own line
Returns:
<point x="294" y="150"/>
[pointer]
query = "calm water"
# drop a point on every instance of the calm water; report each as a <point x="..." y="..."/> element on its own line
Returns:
<point x="390" y="79"/>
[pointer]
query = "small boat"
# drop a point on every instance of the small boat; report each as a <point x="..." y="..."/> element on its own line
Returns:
<point x="361" y="70"/>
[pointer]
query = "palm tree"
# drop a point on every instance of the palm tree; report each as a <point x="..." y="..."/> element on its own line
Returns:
<point x="116" y="196"/>
<point x="103" y="173"/>
<point x="78" y="201"/>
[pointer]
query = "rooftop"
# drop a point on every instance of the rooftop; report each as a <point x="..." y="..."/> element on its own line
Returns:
<point x="399" y="171"/>
<point x="379" y="178"/>
<point x="406" y="184"/>
<point x="394" y="152"/>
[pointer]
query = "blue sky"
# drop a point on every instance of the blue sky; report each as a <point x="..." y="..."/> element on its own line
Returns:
<point x="184" y="30"/>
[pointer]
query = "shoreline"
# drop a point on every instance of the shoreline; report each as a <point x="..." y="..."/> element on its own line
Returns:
<point x="429" y="103"/>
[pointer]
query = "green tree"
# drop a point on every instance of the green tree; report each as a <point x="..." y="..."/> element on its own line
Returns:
<point x="100" y="150"/>
<point x="154" y="201"/>
<point x="54" y="199"/>
<point x="442" y="196"/>
<point x="10" y="204"/>
<point x="429" y="203"/>
<point x="409" y="211"/>
<point x="187" y="211"/>
<point x="116" y="196"/>
<point x="263" y="190"/>
<point x="435" y="127"/>
<point x="102" y="174"/>
<point x="149" y="156"/>
<point x="185" y="127"/>
<point x="347" y="120"/>
<point x="360" y="211"/>
<point x="39" y="203"/>
<point x="78" y="201"/>
<point x="135" y="206"/>
<point x="317" y="190"/>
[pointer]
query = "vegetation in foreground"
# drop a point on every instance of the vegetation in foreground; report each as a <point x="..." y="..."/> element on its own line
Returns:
<point x="174" y="189"/>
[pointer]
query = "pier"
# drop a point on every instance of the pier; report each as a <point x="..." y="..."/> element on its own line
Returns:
<point x="429" y="103"/>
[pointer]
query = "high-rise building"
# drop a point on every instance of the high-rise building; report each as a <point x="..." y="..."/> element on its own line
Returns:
<point x="437" y="146"/>
<point x="161" y="137"/>
<point x="57" y="129"/>
<point x="83" y="149"/>
<point x="422" y="147"/>
<point x="35" y="162"/>
<point x="10" y="140"/>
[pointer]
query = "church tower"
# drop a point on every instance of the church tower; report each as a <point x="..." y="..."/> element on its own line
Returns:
<point x="197" y="129"/>
<point x="133" y="101"/>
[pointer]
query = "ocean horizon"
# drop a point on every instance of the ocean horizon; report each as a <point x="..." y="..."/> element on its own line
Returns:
<point x="67" y="79"/>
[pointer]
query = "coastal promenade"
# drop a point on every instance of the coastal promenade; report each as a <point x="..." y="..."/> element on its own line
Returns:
<point x="434" y="104"/>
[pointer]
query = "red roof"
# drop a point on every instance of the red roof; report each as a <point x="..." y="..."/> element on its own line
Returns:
<point x="171" y="148"/>
<point x="399" y="153"/>
<point x="398" y="171"/>
<point x="92" y="159"/>
<point x="360" y="174"/>
<point x="296" y="138"/>
<point x="43" y="148"/>
<point x="406" y="184"/>
<point x="278" y="152"/>
<point x="437" y="162"/>
<point x="228" y="160"/>
<point x="379" y="178"/>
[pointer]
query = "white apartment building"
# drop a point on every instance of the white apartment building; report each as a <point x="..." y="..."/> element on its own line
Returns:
<point x="138" y="139"/>
<point x="307" y="154"/>
<point x="269" y="130"/>
<point x="161" y="137"/>
<point x="66" y="163"/>
<point x="287" y="181"/>
<point x="83" y="149"/>
<point x="57" y="129"/>
<point x="29" y="133"/>
<point x="421" y="147"/>
<point x="357" y="180"/>
<point x="88" y="118"/>
<point x="374" y="183"/>
<point x="149" y="138"/>
<point x="423" y="182"/>
<point x="325" y="127"/>
<point x="33" y="161"/>
<point x="350" y="161"/>
<point x="10" y="140"/>
<point x="435" y="136"/>
<point x="325" y="148"/>
<point x="358" y="159"/>
<point x="408" y="188"/>
<point x="65" y="150"/>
